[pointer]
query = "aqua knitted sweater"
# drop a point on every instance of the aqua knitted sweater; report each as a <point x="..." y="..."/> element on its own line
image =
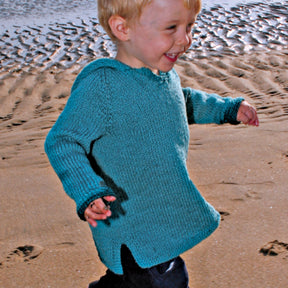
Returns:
<point x="124" y="132"/>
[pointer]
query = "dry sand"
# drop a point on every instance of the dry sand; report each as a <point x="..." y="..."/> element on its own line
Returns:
<point x="241" y="170"/>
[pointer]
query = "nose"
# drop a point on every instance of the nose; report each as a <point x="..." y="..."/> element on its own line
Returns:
<point x="184" y="38"/>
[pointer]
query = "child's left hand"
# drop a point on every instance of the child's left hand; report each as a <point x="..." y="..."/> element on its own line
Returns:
<point x="247" y="114"/>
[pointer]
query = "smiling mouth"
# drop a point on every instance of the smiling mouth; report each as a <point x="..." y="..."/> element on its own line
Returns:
<point x="172" y="56"/>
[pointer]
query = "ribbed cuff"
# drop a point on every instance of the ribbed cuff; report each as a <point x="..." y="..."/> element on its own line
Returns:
<point x="102" y="192"/>
<point x="231" y="112"/>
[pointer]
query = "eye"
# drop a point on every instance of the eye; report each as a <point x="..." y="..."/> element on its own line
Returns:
<point x="172" y="27"/>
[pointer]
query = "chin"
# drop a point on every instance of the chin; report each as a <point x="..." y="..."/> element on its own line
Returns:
<point x="167" y="69"/>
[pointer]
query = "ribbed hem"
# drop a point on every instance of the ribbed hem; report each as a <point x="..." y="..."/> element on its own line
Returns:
<point x="116" y="265"/>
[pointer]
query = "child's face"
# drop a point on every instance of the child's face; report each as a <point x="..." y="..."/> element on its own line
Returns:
<point x="159" y="37"/>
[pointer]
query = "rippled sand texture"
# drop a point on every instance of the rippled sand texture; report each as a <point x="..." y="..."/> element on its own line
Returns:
<point x="241" y="170"/>
<point x="242" y="29"/>
<point x="260" y="77"/>
<point x="22" y="8"/>
<point x="218" y="31"/>
<point x="62" y="45"/>
<point x="37" y="97"/>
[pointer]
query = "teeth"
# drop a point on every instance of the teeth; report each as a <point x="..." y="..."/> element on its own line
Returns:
<point x="172" y="55"/>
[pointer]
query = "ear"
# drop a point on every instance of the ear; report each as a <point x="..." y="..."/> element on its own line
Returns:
<point x="119" y="27"/>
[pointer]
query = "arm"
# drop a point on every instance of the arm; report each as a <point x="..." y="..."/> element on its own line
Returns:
<point x="83" y="121"/>
<point x="204" y="108"/>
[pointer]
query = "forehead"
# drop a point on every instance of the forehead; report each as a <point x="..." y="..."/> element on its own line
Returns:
<point x="187" y="3"/>
<point x="167" y="10"/>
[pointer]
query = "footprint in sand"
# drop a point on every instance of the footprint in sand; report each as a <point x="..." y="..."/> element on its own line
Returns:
<point x="24" y="253"/>
<point x="223" y="214"/>
<point x="275" y="248"/>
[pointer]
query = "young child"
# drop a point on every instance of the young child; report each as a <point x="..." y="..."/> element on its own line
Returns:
<point x="120" y="145"/>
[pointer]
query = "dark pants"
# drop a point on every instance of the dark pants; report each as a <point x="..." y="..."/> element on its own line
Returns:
<point x="171" y="274"/>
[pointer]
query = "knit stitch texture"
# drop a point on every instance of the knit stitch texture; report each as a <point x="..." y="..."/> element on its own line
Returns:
<point x="124" y="132"/>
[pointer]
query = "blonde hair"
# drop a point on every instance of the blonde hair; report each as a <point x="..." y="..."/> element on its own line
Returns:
<point x="130" y="10"/>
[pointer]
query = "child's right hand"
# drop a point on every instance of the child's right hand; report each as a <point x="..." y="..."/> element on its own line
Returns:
<point x="97" y="210"/>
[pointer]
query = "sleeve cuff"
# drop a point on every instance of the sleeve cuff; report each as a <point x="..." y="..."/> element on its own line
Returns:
<point x="105" y="191"/>
<point x="232" y="110"/>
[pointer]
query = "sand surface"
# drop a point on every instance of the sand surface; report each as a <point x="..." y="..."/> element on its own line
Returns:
<point x="241" y="170"/>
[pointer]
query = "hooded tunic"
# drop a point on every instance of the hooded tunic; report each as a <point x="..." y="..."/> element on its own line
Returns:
<point x="124" y="132"/>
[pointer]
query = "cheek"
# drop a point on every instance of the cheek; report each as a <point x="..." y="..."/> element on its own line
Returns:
<point x="164" y="44"/>
<point x="154" y="46"/>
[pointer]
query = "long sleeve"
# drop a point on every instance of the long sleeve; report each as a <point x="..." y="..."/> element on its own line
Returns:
<point x="204" y="108"/>
<point x="71" y="139"/>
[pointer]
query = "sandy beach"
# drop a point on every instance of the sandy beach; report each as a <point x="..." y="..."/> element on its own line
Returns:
<point x="241" y="170"/>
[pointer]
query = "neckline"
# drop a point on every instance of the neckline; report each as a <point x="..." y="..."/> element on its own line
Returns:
<point x="143" y="70"/>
